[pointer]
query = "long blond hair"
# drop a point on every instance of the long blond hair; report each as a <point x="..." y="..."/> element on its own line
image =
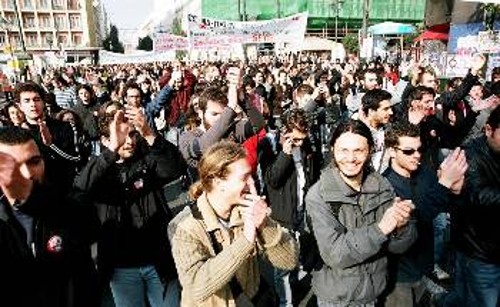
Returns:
<point x="215" y="164"/>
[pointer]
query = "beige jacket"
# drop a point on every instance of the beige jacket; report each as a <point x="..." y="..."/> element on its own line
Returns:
<point x="205" y="276"/>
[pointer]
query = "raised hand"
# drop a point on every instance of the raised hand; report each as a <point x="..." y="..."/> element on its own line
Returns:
<point x="416" y="116"/>
<point x="287" y="144"/>
<point x="139" y="121"/>
<point x="452" y="169"/>
<point x="255" y="211"/>
<point x="118" y="131"/>
<point x="234" y="82"/>
<point x="45" y="132"/>
<point x="396" y="216"/>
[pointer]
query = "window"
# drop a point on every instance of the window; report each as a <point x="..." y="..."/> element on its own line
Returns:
<point x="73" y="5"/>
<point x="8" y="4"/>
<point x="77" y="39"/>
<point x="44" y="21"/>
<point x="48" y="40"/>
<point x="27" y="4"/>
<point x="74" y="21"/>
<point x="11" y="18"/>
<point x="31" y="40"/>
<point x="44" y="4"/>
<point x="62" y="40"/>
<point x="2" y="39"/>
<point x="29" y="22"/>
<point x="60" y="21"/>
<point x="15" y="40"/>
<point x="58" y="4"/>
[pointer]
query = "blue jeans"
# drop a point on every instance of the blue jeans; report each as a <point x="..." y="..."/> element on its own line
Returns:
<point x="477" y="283"/>
<point x="283" y="287"/>
<point x="132" y="286"/>
<point x="440" y="226"/>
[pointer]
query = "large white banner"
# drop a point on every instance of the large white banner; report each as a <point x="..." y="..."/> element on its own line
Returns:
<point x="213" y="33"/>
<point x="167" y="42"/>
<point x="107" y="58"/>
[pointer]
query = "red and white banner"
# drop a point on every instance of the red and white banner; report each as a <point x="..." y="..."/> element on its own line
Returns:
<point x="213" y="33"/>
<point x="168" y="42"/>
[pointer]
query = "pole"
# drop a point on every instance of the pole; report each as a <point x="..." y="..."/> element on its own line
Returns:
<point x="20" y="26"/>
<point x="244" y="10"/>
<point x="366" y="17"/>
<point x="278" y="8"/>
<point x="239" y="10"/>
<point x="336" y="20"/>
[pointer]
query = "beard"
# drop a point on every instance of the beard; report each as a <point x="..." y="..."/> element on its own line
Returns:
<point x="364" y="170"/>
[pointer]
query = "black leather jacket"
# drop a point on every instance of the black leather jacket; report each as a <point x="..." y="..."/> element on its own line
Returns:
<point x="475" y="223"/>
<point x="56" y="269"/>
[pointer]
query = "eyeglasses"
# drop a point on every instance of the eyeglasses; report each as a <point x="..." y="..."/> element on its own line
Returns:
<point x="134" y="96"/>
<point x="410" y="151"/>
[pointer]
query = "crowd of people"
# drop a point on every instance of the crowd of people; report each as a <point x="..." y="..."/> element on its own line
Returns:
<point x="368" y="183"/>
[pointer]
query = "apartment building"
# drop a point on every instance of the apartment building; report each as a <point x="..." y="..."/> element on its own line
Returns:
<point x="70" y="28"/>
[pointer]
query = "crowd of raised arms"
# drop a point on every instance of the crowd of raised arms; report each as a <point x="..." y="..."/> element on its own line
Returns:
<point x="282" y="181"/>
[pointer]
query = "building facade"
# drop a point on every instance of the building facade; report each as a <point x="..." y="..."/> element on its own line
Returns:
<point x="324" y="15"/>
<point x="70" y="28"/>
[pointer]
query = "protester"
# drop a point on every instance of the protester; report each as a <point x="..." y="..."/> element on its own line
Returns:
<point x="125" y="182"/>
<point x="45" y="234"/>
<point x="217" y="242"/>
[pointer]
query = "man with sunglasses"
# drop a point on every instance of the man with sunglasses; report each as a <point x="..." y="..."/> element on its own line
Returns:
<point x="431" y="194"/>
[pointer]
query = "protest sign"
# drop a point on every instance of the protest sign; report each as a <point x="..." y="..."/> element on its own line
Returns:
<point x="213" y="33"/>
<point x="168" y="42"/>
<point x="107" y="58"/>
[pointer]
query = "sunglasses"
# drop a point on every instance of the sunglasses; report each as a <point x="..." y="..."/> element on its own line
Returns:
<point x="410" y="151"/>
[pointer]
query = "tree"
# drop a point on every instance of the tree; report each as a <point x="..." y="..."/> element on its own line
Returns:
<point x="351" y="43"/>
<point x="112" y="42"/>
<point x="145" y="43"/>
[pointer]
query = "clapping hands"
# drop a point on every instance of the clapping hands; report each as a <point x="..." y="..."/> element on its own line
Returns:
<point x="254" y="212"/>
<point x="452" y="171"/>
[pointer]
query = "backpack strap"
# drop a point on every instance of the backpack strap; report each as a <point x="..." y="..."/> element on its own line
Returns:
<point x="235" y="286"/>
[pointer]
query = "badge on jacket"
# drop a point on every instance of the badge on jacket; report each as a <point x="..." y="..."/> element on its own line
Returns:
<point x="55" y="244"/>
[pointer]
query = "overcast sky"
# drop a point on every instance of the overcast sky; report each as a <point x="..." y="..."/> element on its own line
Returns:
<point x="128" y="15"/>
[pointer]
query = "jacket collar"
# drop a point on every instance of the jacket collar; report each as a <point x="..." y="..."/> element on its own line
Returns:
<point x="334" y="189"/>
<point x="210" y="218"/>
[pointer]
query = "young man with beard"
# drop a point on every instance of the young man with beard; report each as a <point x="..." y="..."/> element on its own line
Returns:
<point x="431" y="194"/>
<point x="376" y="113"/>
<point x="357" y="221"/>
<point x="220" y="115"/>
<point x="45" y="235"/>
<point x="369" y="79"/>
<point x="126" y="182"/>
